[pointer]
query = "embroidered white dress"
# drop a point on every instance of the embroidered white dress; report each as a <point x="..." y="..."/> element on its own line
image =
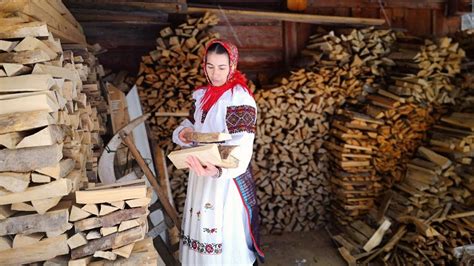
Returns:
<point x="215" y="226"/>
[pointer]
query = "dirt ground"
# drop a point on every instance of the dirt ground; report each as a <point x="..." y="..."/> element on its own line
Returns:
<point x="301" y="249"/>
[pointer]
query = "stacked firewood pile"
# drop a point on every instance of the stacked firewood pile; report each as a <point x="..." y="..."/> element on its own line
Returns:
<point x="431" y="210"/>
<point x="168" y="75"/>
<point x="403" y="130"/>
<point x="351" y="146"/>
<point x="350" y="61"/>
<point x="47" y="129"/>
<point x="292" y="122"/>
<point x="290" y="162"/>
<point x="108" y="222"/>
<point x="91" y="72"/>
<point x="425" y="70"/>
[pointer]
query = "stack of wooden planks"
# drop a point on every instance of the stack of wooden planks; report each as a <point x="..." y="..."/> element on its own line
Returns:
<point x="431" y="209"/>
<point x="168" y="75"/>
<point x="355" y="184"/>
<point x="32" y="13"/>
<point x="108" y="221"/>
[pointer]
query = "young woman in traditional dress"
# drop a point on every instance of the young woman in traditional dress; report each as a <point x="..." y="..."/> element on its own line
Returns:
<point x="220" y="219"/>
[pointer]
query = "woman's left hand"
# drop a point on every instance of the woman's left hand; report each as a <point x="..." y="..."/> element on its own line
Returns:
<point x="195" y="165"/>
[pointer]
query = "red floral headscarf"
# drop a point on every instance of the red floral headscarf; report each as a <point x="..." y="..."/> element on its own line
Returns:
<point x="235" y="77"/>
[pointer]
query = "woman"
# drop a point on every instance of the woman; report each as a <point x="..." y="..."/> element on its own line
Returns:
<point x="220" y="219"/>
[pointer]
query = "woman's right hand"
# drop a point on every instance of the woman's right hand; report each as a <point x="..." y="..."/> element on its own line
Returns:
<point x="184" y="135"/>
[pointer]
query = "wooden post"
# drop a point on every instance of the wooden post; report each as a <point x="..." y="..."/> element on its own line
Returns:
<point x="151" y="178"/>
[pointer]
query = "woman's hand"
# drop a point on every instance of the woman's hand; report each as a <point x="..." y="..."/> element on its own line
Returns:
<point x="183" y="134"/>
<point x="195" y="165"/>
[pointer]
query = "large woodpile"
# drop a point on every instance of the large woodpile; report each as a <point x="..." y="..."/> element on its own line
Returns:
<point x="46" y="128"/>
<point x="108" y="222"/>
<point x="430" y="212"/>
<point x="292" y="122"/>
<point x="425" y="70"/>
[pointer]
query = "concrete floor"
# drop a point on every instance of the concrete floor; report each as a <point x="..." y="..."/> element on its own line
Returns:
<point x="315" y="247"/>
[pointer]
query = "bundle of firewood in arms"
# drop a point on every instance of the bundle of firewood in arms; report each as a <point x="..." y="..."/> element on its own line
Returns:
<point x="426" y="70"/>
<point x="350" y="60"/>
<point x="289" y="172"/>
<point x="428" y="216"/>
<point x="168" y="75"/>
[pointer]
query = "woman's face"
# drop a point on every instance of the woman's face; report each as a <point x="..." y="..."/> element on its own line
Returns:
<point x="217" y="68"/>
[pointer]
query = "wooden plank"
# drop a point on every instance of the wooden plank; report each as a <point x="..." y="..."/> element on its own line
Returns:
<point x="31" y="43"/>
<point x="59" y="170"/>
<point x="375" y="240"/>
<point x="10" y="140"/>
<point x="44" y="250"/>
<point x="76" y="240"/>
<point x="110" y="195"/>
<point x="302" y="18"/>
<point x="106" y="209"/>
<point x="25" y="57"/>
<point x="13" y="122"/>
<point x="14" y="181"/>
<point x="78" y="214"/>
<point x="43" y="205"/>
<point x="29" y="159"/>
<point x="56" y="188"/>
<point x="113" y="241"/>
<point x="50" y="135"/>
<point x="35" y="102"/>
<point x="32" y="82"/>
<point x="15" y="69"/>
<point x="434" y="157"/>
<point x="57" y="72"/>
<point x="5" y="212"/>
<point x="22" y="240"/>
<point x="7" y="46"/>
<point x="40" y="178"/>
<point x="34" y="223"/>
<point x="91" y="208"/>
<point x="108" y="255"/>
<point x="105" y="231"/>
<point x="124" y="251"/>
<point x="34" y="29"/>
<point x="110" y="219"/>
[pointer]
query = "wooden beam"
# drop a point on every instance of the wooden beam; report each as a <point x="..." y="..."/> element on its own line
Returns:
<point x="29" y="159"/>
<point x="34" y="223"/>
<point x="44" y="250"/>
<point x="110" y="219"/>
<point x="302" y="18"/>
<point x="35" y="29"/>
<point x="13" y="122"/>
<point x="110" y="195"/>
<point x="56" y="188"/>
<point x="26" y="83"/>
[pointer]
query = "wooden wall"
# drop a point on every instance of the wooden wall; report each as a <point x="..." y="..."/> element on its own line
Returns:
<point x="419" y="17"/>
<point x="128" y="31"/>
